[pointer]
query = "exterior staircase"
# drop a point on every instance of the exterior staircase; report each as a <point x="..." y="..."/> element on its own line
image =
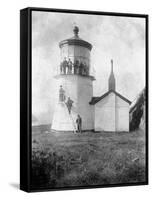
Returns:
<point x="62" y="119"/>
<point x="74" y="124"/>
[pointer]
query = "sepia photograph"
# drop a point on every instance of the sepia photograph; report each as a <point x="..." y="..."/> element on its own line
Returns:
<point x="88" y="100"/>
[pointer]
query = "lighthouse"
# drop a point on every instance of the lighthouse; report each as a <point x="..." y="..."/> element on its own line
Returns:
<point x="74" y="85"/>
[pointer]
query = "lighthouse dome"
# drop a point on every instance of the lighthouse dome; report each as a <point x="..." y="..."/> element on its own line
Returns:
<point x="76" y="40"/>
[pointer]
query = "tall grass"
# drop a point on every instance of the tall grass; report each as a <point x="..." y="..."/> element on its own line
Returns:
<point x="88" y="160"/>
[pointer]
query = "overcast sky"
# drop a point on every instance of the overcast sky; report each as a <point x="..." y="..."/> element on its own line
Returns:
<point x="119" y="38"/>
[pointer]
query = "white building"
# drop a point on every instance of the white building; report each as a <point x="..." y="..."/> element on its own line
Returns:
<point x="111" y="109"/>
<point x="110" y="112"/>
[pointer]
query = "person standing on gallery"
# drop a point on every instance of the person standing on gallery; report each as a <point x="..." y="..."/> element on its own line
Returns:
<point x="69" y="66"/>
<point x="65" y="65"/>
<point x="79" y="124"/>
<point x="76" y="66"/>
<point x="61" y="67"/>
<point x="85" y="69"/>
<point x="61" y="94"/>
<point x="80" y="68"/>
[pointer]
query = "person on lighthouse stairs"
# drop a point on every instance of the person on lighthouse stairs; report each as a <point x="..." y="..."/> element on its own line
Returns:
<point x="61" y="94"/>
<point x="65" y="112"/>
<point x="69" y="104"/>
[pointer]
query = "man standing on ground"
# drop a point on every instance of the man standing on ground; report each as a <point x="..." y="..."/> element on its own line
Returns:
<point x="79" y="124"/>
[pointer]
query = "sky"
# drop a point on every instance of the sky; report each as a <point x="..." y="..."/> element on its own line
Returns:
<point x="119" y="38"/>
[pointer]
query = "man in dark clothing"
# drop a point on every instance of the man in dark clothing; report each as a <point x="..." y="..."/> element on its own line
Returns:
<point x="76" y="66"/>
<point x="65" y="65"/>
<point x="81" y="68"/>
<point x="79" y="124"/>
<point x="69" y="104"/>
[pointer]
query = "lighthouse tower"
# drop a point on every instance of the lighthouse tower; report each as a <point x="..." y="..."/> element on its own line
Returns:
<point x="74" y="85"/>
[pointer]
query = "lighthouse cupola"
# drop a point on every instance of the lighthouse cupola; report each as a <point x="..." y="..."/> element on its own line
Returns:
<point x="75" y="55"/>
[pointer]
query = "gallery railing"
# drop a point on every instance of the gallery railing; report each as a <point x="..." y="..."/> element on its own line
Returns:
<point x="68" y="67"/>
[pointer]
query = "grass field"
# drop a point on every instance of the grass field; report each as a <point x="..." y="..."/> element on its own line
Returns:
<point x="67" y="159"/>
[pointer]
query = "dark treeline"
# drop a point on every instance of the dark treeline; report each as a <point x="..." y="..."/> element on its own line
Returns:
<point x="137" y="111"/>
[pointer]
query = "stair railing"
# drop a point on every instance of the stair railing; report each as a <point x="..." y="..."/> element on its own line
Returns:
<point x="73" y="123"/>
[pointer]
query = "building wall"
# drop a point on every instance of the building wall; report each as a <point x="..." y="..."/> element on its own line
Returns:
<point x="80" y="90"/>
<point x="122" y="115"/>
<point x="105" y="114"/>
<point x="85" y="93"/>
<point x="112" y="114"/>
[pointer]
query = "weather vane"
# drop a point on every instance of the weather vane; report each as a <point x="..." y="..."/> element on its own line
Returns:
<point x="76" y="29"/>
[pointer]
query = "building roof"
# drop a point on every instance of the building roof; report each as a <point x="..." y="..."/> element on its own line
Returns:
<point x="76" y="40"/>
<point x="95" y="100"/>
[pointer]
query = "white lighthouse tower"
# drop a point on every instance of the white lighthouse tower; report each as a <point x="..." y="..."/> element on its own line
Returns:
<point x="74" y="82"/>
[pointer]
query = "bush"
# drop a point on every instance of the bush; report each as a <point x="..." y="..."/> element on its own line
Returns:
<point x="43" y="169"/>
<point x="50" y="170"/>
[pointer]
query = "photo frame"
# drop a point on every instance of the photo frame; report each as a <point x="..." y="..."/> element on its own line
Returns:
<point x="83" y="99"/>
